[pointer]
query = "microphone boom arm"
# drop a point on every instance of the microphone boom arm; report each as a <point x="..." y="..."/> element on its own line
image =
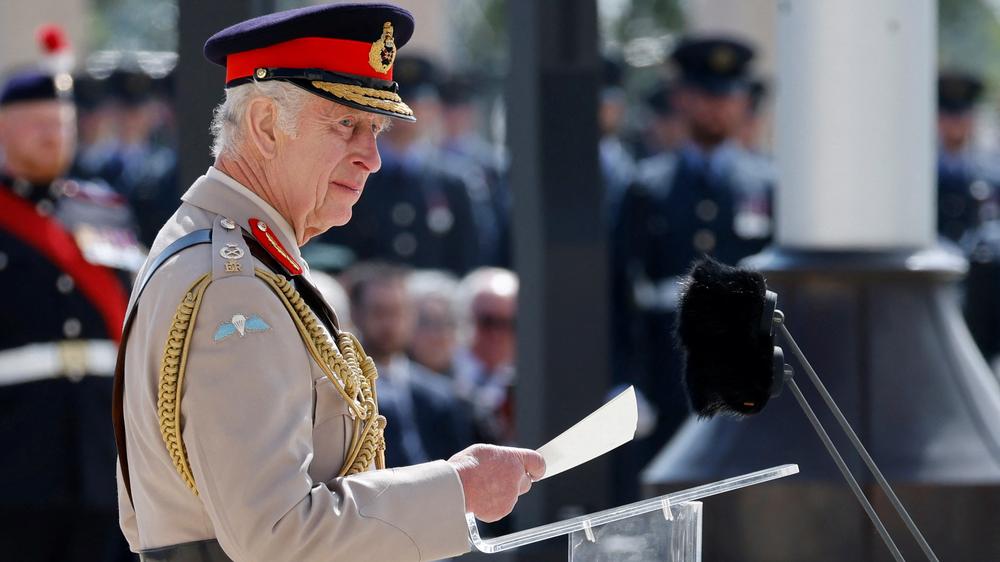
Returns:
<point x="779" y="321"/>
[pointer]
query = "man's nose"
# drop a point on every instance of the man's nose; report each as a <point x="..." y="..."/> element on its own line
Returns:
<point x="367" y="154"/>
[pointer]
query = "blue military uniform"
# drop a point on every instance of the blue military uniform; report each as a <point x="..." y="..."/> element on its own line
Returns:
<point x="967" y="210"/>
<point x="143" y="169"/>
<point x="967" y="179"/>
<point x="67" y="250"/>
<point x="683" y="205"/>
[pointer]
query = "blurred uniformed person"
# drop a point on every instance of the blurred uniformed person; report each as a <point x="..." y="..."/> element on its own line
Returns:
<point x="482" y="163"/>
<point x="967" y="178"/>
<point x="247" y="422"/>
<point x="710" y="197"/>
<point x="616" y="160"/>
<point x="665" y="129"/>
<point x="418" y="210"/>
<point x="67" y="248"/>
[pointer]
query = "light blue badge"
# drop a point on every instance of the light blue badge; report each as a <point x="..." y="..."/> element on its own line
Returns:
<point x="240" y="324"/>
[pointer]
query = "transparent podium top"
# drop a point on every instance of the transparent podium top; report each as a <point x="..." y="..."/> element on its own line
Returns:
<point x="587" y="522"/>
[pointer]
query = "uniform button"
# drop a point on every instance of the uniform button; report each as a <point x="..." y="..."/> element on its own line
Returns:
<point x="405" y="244"/>
<point x="64" y="284"/>
<point x="704" y="240"/>
<point x="3" y="261"/>
<point x="440" y="220"/>
<point x="228" y="224"/>
<point x="706" y="210"/>
<point x="70" y="188"/>
<point x="980" y="190"/>
<point x="403" y="214"/>
<point x="72" y="328"/>
<point x="44" y="207"/>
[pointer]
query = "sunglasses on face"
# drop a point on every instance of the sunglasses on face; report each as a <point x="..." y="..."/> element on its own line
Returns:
<point x="498" y="322"/>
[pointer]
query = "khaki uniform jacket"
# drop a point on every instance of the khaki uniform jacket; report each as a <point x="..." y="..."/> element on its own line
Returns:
<point x="264" y="429"/>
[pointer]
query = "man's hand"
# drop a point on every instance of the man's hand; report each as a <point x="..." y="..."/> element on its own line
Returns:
<point x="493" y="477"/>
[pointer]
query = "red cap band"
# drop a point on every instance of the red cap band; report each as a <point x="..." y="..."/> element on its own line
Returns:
<point x="343" y="56"/>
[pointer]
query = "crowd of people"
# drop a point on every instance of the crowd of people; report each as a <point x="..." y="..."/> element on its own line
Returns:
<point x="422" y="272"/>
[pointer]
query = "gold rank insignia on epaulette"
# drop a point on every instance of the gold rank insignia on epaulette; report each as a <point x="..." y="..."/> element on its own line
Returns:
<point x="345" y="364"/>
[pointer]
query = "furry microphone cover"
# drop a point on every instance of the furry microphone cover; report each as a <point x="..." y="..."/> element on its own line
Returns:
<point x="728" y="355"/>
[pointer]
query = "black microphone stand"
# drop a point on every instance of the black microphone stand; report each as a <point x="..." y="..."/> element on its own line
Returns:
<point x="785" y="374"/>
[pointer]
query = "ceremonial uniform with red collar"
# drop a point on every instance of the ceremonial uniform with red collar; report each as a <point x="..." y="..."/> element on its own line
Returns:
<point x="247" y="422"/>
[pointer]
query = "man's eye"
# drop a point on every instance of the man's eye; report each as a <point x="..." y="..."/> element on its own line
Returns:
<point x="347" y="122"/>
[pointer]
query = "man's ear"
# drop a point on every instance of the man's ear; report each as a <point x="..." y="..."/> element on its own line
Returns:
<point x="262" y="124"/>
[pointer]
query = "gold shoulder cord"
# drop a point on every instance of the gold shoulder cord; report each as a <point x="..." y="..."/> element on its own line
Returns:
<point x="350" y="370"/>
<point x="168" y="398"/>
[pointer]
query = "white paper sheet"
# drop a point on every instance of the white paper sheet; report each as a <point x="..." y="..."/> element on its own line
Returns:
<point x="608" y="427"/>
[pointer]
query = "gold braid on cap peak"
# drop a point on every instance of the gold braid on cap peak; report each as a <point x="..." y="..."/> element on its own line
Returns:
<point x="345" y="364"/>
<point x="369" y="97"/>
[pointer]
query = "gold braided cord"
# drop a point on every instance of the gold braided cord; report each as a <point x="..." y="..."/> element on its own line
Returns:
<point x="370" y="97"/>
<point x="351" y="371"/>
<point x="168" y="398"/>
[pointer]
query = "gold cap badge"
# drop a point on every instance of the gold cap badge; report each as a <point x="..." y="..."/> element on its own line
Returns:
<point x="722" y="59"/>
<point x="383" y="52"/>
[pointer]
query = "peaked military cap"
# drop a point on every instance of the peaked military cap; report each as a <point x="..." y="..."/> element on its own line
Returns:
<point x="717" y="65"/>
<point x="958" y="91"/>
<point x="341" y="52"/>
<point x="35" y="85"/>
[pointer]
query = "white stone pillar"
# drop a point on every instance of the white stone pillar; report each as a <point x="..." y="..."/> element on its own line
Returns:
<point x="855" y="116"/>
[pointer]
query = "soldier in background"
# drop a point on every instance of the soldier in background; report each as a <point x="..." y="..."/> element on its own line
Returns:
<point x="481" y="162"/>
<point x="137" y="156"/>
<point x="416" y="210"/>
<point x="711" y="197"/>
<point x="665" y="129"/>
<point x="967" y="178"/>
<point x="967" y="205"/>
<point x="615" y="157"/>
<point x="753" y="124"/>
<point x="67" y="249"/>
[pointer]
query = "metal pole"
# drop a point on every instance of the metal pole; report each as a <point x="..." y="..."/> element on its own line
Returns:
<point x="559" y="243"/>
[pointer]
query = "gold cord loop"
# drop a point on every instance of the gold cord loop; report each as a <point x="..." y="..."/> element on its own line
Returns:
<point x="168" y="402"/>
<point x="348" y="367"/>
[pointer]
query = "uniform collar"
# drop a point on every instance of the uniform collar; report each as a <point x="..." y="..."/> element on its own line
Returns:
<point x="222" y="195"/>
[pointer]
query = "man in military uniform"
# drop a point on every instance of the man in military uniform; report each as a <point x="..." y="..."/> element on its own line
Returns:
<point x="967" y="204"/>
<point x="247" y="422"/>
<point x="710" y="197"/>
<point x="67" y="249"/>
<point x="967" y="178"/>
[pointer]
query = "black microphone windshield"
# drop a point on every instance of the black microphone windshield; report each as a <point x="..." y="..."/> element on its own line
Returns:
<point x="728" y="347"/>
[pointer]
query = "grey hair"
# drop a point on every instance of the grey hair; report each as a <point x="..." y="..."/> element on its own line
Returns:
<point x="227" y="120"/>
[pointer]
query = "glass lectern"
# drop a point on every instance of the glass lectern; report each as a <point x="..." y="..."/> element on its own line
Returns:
<point x="664" y="528"/>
